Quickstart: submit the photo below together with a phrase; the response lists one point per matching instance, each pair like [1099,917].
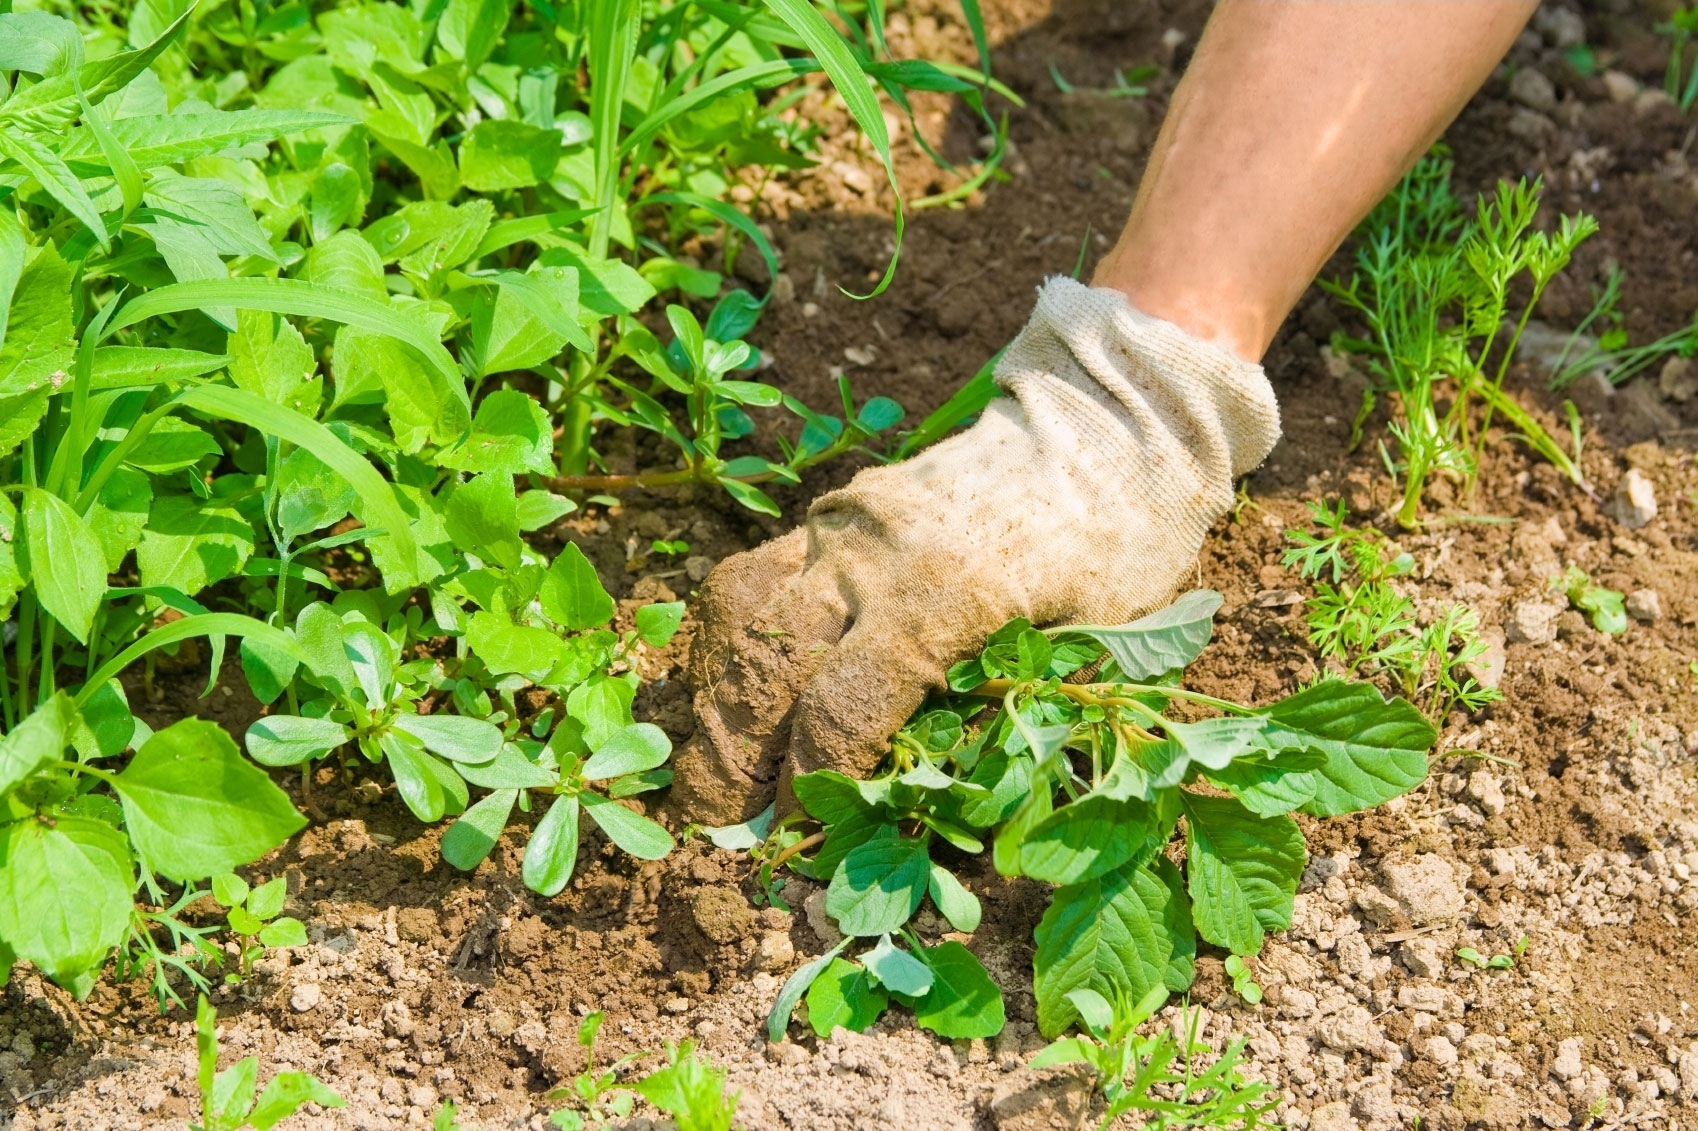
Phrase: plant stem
[1087,694]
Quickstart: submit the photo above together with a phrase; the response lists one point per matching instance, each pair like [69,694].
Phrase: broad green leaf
[266,901]
[1243,871]
[289,740]
[214,208]
[963,1002]
[959,906]
[510,433]
[794,987]
[1011,836]
[828,796]
[346,262]
[284,932]
[270,359]
[552,852]
[1166,639]
[310,496]
[1124,932]
[39,43]
[572,595]
[119,514]
[229,889]
[538,509]
[35,742]
[232,1093]
[483,519]
[658,623]
[39,331]
[53,102]
[1092,836]
[415,780]
[509,769]
[749,496]
[507,647]
[470,838]
[638,836]
[506,331]
[455,737]
[499,155]
[468,30]
[64,561]
[843,996]
[173,445]
[284,1094]
[195,808]
[750,833]
[1374,750]
[318,628]
[897,970]
[64,894]
[605,286]
[1267,789]
[14,249]
[878,886]
[628,750]
[105,726]
[1007,778]
[191,543]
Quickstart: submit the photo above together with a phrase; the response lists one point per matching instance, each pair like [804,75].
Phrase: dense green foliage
[1083,785]
[1435,289]
[313,316]
[1359,621]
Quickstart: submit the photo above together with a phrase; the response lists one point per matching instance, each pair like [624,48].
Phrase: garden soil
[1560,826]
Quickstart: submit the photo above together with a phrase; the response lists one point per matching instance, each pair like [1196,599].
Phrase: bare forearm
[1294,118]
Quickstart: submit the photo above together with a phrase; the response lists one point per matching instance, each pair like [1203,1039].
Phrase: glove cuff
[1217,408]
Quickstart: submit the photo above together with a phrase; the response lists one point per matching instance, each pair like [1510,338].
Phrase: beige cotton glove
[1083,496]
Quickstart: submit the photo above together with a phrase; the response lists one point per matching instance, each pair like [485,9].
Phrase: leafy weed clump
[1083,784]
[311,316]
[1435,288]
[1360,622]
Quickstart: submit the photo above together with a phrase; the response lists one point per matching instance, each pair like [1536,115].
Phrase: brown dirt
[1583,837]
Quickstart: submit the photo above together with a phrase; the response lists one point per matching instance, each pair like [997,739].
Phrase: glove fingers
[857,699]
[747,684]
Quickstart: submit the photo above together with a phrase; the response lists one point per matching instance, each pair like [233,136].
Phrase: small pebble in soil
[1635,501]
[1645,605]
[306,997]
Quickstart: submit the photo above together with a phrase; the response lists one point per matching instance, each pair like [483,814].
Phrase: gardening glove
[1083,496]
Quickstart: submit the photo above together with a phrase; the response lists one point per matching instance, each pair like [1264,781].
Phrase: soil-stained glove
[1083,496]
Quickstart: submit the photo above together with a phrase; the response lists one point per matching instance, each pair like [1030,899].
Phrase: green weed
[1681,28]
[1159,1075]
[1611,353]
[1435,289]
[1081,785]
[309,315]
[1360,622]
[227,1098]
[1606,607]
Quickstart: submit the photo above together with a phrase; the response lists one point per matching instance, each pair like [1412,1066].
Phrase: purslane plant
[1083,785]
[1435,290]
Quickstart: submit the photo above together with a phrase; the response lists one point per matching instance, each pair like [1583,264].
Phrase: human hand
[1082,497]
